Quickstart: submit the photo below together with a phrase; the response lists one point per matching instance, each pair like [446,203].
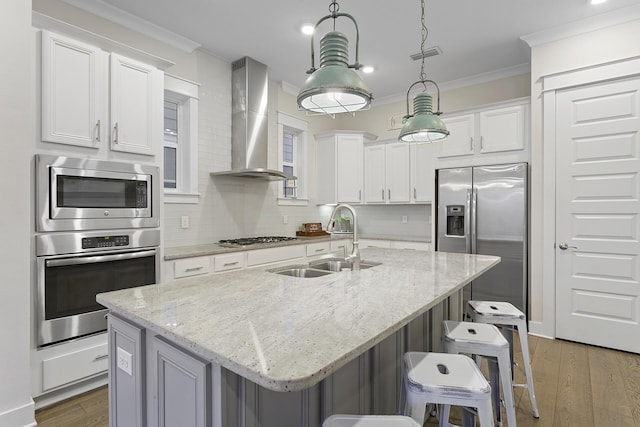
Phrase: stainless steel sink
[340,264]
[299,271]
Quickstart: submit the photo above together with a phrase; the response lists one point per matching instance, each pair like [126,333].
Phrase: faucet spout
[354,257]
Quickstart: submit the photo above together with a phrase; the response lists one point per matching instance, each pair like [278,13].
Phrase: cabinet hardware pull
[228,264]
[415,196]
[383,194]
[194,268]
[115,133]
[360,195]
[98,131]
[564,246]
[320,250]
[471,143]
[482,142]
[389,194]
[100,357]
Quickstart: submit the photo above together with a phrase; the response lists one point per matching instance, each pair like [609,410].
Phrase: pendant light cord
[424,34]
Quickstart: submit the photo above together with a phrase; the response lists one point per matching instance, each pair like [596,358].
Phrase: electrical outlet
[125,361]
[184,221]
[285,219]
[404,219]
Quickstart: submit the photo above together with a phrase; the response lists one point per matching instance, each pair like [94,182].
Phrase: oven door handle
[99,258]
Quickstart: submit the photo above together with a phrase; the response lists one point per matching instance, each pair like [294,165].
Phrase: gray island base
[255,348]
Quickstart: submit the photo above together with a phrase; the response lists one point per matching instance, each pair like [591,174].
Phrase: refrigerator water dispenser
[455,220]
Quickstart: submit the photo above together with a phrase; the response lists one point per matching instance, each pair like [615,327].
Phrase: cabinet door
[74,91]
[423,172]
[460,139]
[349,165]
[374,174]
[397,173]
[136,106]
[179,391]
[502,129]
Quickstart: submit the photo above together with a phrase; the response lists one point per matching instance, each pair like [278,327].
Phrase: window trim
[185,93]
[301,166]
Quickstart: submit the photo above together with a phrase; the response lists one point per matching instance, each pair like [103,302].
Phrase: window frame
[300,130]
[185,94]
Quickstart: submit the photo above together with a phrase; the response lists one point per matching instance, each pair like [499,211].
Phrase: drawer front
[74,366]
[265,256]
[229,262]
[318,248]
[191,267]
[374,243]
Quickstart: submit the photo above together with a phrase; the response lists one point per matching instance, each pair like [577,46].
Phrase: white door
[374,174]
[349,164]
[423,171]
[597,214]
[397,173]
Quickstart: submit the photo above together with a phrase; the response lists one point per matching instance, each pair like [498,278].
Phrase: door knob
[564,246]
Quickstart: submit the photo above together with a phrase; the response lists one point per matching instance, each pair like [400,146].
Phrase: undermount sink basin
[340,264]
[299,271]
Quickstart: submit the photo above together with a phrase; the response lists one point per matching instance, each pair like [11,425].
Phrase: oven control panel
[104,242]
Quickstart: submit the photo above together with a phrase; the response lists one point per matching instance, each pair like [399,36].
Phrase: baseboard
[538,329]
[22,416]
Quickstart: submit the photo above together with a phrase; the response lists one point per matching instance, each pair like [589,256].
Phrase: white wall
[596,47]
[17,114]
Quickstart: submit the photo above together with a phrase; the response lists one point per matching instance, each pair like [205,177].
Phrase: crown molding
[289,88]
[593,23]
[134,23]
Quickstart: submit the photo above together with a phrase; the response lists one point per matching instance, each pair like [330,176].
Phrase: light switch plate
[125,361]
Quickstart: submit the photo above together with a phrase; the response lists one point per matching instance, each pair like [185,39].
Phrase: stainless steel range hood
[249,132]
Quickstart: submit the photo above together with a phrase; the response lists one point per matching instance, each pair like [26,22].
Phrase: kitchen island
[257,348]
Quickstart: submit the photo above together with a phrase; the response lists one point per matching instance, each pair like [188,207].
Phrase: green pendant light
[334,87]
[423,125]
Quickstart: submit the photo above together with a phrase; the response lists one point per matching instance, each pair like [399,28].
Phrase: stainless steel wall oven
[86,194]
[72,268]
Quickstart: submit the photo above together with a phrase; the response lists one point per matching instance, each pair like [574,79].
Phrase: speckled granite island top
[287,333]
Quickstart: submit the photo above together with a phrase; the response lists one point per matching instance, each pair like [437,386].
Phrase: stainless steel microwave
[87,194]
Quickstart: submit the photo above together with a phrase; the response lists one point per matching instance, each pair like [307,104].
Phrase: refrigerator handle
[474,220]
[467,223]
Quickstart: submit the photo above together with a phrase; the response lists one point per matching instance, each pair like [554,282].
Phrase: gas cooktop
[246,241]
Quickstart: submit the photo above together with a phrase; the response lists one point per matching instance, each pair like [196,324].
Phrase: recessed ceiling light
[367,69]
[597,1]
[308,29]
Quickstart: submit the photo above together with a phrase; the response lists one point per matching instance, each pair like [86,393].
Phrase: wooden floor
[576,386]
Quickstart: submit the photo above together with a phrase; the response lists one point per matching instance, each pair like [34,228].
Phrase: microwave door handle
[96,259]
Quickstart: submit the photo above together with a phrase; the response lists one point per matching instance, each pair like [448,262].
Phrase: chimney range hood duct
[249,127]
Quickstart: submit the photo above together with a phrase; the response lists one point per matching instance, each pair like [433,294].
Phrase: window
[180,141]
[292,137]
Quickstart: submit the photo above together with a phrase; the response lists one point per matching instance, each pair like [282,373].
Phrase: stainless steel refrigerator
[483,210]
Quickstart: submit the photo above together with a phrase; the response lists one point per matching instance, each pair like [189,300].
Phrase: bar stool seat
[369,421]
[484,340]
[508,317]
[445,379]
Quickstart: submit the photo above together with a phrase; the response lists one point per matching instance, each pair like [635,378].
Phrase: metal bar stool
[444,379]
[369,421]
[484,340]
[508,317]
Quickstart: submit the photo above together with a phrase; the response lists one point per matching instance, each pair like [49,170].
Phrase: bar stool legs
[484,340]
[506,315]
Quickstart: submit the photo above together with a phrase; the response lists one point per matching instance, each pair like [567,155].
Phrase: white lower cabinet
[270,255]
[191,267]
[228,262]
[319,248]
[374,243]
[342,245]
[419,246]
[73,366]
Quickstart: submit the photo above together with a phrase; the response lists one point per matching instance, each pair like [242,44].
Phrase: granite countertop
[287,333]
[190,251]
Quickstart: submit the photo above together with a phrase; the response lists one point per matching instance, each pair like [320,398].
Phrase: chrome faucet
[354,258]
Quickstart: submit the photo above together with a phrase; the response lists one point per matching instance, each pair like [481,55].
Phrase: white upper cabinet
[422,172]
[502,129]
[486,131]
[74,92]
[339,166]
[90,96]
[461,136]
[136,100]
[386,173]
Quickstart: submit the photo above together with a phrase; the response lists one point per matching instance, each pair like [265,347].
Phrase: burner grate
[246,241]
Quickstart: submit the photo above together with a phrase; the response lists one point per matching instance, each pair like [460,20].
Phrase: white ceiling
[476,37]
